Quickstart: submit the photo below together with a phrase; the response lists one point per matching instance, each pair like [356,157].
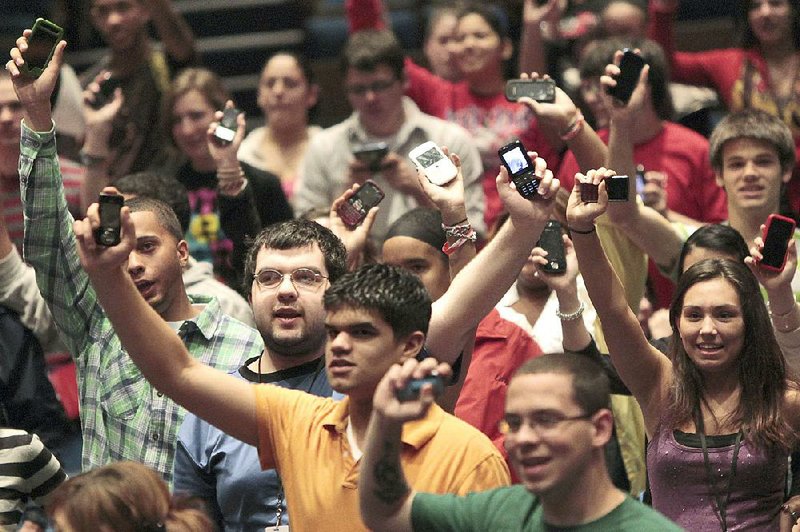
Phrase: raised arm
[535,18]
[221,399]
[650,231]
[481,284]
[643,369]
[385,497]
[172,30]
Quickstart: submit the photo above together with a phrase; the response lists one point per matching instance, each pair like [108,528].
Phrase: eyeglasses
[301,278]
[376,87]
[540,422]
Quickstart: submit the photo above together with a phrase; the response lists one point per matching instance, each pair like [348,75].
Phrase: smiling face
[156,264]
[711,325]
[771,22]
[549,461]
[361,347]
[421,259]
[122,23]
[290,319]
[192,113]
[751,174]
[479,50]
[284,94]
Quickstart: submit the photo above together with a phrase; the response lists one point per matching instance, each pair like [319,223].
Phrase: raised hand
[97,259]
[34,93]
[771,280]
[582,214]
[385,401]
[560,281]
[525,211]
[619,111]
[354,238]
[556,116]
[448,198]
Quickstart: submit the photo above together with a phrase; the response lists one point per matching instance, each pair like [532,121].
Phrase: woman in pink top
[764,73]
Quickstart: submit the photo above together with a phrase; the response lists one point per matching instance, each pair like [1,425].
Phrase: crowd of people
[245,358]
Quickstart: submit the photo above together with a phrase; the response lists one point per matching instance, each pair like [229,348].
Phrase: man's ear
[183,253]
[603,421]
[412,345]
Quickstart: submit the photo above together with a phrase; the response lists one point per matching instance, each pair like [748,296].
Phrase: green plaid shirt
[122,415]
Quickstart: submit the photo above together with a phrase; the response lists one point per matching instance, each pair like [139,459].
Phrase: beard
[294,344]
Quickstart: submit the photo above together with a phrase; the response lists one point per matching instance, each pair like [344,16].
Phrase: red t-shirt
[682,155]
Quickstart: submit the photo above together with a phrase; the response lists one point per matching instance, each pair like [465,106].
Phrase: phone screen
[776,242]
[40,44]
[367,197]
[516,161]
[429,158]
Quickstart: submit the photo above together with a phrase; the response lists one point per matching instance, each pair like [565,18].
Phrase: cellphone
[630,67]
[778,232]
[551,241]
[371,154]
[355,209]
[226,130]
[540,90]
[617,188]
[438,167]
[106,92]
[42,43]
[515,158]
[640,183]
[413,387]
[589,192]
[108,232]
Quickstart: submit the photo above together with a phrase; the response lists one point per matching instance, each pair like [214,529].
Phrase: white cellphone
[431,160]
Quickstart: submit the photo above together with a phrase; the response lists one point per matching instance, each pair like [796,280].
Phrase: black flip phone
[226,130]
[520,167]
[45,35]
[540,90]
[355,209]
[108,234]
[371,154]
[413,387]
[630,67]
[551,241]
[778,231]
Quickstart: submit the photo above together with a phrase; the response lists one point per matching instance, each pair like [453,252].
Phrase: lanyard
[722,504]
[317,371]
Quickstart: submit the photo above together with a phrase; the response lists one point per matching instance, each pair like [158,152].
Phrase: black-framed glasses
[375,86]
[540,422]
[301,278]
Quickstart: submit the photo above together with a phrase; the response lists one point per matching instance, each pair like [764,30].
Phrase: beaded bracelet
[462,234]
[572,316]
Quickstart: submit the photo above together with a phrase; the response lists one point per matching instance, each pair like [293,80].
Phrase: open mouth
[145,288]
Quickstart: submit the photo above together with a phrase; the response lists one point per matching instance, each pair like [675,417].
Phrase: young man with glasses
[373,67]
[557,420]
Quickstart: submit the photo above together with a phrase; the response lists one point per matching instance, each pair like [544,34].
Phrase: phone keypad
[526,186]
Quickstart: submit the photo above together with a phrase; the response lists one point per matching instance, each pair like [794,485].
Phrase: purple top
[681,490]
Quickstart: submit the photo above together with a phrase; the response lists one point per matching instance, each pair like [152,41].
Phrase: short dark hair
[590,386]
[601,53]
[367,50]
[721,238]
[293,234]
[163,212]
[494,15]
[396,294]
[161,187]
[756,125]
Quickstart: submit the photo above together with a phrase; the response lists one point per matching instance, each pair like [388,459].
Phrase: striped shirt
[123,417]
[27,472]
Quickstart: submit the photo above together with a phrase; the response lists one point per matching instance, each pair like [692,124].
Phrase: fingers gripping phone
[372,154]
[226,130]
[412,389]
[355,209]
[616,188]
[552,242]
[778,232]
[520,168]
[438,167]
[540,90]
[108,234]
[42,42]
[106,92]
[630,67]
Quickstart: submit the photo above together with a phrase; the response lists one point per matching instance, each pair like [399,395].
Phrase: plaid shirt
[122,415]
